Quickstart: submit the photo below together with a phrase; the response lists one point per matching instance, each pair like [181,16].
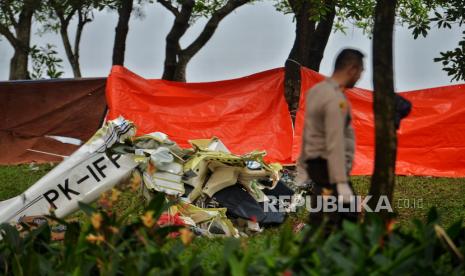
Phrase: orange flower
[186,236]
[135,181]
[113,229]
[390,226]
[96,220]
[147,219]
[105,202]
[114,194]
[97,239]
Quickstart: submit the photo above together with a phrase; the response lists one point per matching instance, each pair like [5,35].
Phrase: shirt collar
[334,83]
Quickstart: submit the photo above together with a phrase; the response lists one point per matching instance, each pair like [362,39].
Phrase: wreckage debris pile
[213,191]
[217,192]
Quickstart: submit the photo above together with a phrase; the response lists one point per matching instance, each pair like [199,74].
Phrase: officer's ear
[353,70]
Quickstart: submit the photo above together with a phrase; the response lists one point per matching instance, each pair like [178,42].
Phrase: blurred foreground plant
[106,244]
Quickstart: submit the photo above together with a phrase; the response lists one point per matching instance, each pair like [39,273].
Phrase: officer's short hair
[348,57]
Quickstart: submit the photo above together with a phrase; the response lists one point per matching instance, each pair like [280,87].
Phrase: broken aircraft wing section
[82,177]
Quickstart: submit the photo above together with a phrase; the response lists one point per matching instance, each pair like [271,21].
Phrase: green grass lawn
[414,196]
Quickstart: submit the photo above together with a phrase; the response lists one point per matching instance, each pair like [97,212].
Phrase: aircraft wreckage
[213,187]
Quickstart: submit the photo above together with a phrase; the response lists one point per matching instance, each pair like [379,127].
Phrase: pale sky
[253,39]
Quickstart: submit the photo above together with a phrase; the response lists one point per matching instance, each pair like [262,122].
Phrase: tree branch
[64,23]
[211,26]
[181,22]
[304,29]
[83,20]
[9,36]
[66,42]
[70,15]
[168,6]
[179,28]
[121,32]
[61,14]
[321,35]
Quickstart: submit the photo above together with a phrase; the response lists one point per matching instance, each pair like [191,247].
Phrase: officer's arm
[350,147]
[335,148]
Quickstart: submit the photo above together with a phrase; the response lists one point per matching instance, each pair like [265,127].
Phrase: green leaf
[11,236]
[455,229]
[432,216]
[158,205]
[86,208]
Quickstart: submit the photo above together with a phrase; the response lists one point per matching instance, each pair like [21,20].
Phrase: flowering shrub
[156,243]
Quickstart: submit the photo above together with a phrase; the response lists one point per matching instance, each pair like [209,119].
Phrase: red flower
[287,273]
[167,219]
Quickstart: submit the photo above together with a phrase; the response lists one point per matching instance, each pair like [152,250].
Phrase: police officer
[328,139]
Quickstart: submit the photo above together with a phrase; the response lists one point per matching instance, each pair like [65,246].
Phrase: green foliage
[448,14]
[10,10]
[454,61]
[103,244]
[114,5]
[419,15]
[45,60]
[359,13]
[202,8]
[58,13]
[205,8]
[415,14]
[355,13]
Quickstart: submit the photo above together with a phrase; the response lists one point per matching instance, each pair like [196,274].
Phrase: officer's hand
[344,191]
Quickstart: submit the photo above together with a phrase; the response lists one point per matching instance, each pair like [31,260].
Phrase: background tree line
[314,21]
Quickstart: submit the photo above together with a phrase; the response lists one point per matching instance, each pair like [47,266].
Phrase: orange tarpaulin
[431,138]
[250,113]
[247,114]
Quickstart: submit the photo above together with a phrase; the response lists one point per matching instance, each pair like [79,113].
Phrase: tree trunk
[76,66]
[308,49]
[179,28]
[72,52]
[176,59]
[171,59]
[383,179]
[82,21]
[121,32]
[304,29]
[19,61]
[320,37]
[292,86]
[180,69]
[18,65]
[73,61]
